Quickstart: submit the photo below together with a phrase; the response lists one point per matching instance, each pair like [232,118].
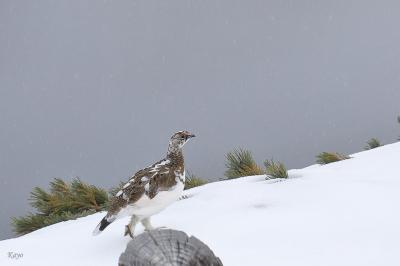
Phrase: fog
[95,88]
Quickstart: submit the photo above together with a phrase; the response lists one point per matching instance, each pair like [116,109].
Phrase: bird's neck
[175,154]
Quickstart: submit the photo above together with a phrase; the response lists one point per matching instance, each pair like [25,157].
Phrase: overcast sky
[95,88]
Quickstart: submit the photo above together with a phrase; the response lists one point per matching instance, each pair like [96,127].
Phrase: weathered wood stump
[167,247]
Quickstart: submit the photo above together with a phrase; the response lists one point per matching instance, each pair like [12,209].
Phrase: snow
[345,213]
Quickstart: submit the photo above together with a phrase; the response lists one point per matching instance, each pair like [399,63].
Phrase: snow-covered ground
[345,213]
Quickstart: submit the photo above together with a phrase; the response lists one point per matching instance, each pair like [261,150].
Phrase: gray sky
[95,88]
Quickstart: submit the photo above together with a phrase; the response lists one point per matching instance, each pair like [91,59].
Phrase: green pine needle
[63,201]
[275,169]
[330,157]
[192,181]
[372,144]
[240,162]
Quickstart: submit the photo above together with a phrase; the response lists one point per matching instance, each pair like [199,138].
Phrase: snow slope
[345,213]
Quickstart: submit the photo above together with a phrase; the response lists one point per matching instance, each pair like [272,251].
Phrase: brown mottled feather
[159,177]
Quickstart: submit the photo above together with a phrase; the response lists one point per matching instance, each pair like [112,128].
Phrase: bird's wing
[146,181]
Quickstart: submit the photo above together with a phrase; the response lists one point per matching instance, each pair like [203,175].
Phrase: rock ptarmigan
[150,190]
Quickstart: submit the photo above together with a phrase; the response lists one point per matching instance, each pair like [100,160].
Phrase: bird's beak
[191,136]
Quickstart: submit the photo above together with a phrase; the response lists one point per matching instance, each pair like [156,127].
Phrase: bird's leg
[147,224]
[130,228]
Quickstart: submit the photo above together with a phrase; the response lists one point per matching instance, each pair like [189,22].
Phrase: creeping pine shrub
[64,201]
[372,144]
[240,162]
[192,181]
[275,169]
[330,157]
[31,222]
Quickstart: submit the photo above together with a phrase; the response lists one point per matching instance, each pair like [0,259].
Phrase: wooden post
[167,248]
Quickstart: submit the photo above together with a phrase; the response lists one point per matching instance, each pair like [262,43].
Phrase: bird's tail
[106,221]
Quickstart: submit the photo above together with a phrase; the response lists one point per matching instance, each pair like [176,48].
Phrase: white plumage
[151,189]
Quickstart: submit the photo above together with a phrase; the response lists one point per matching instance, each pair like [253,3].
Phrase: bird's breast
[147,206]
[180,176]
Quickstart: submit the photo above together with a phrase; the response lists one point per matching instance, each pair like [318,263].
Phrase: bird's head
[179,139]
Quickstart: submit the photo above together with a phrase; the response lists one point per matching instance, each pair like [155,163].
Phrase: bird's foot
[128,231]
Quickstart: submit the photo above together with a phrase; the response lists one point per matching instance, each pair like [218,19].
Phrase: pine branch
[240,162]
